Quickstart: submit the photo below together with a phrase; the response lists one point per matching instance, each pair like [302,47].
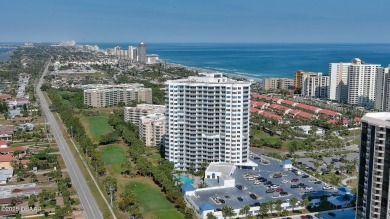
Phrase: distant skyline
[178,21]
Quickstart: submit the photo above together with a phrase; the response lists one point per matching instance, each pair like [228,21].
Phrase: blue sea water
[264,60]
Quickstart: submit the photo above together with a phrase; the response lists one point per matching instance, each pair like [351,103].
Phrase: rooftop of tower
[212,78]
[380,118]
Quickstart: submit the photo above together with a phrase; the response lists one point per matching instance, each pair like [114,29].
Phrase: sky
[202,21]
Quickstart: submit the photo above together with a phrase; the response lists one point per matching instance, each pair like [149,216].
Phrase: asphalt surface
[87,200]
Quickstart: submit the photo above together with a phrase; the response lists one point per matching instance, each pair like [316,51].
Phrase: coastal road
[88,202]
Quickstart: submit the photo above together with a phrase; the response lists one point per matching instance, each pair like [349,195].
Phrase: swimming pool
[185,179]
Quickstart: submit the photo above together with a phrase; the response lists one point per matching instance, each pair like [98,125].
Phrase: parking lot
[239,197]
[335,214]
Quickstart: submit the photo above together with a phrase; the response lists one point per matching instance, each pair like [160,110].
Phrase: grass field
[113,156]
[97,126]
[153,200]
[257,134]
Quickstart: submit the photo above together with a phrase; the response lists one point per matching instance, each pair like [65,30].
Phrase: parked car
[308,188]
[262,180]
[304,217]
[274,186]
[253,196]
[294,186]
[240,187]
[240,199]
[279,189]
[221,200]
[257,182]
[318,216]
[332,214]
[318,182]
[283,194]
[270,191]
[284,181]
[295,180]
[305,176]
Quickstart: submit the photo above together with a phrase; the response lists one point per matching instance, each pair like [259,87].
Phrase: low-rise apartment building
[133,114]
[100,95]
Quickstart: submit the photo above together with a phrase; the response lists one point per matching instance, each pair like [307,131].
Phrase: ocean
[260,60]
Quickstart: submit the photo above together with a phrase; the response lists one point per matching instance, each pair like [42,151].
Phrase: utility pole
[71,131]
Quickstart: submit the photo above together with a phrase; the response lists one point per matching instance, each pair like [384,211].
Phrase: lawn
[153,200]
[257,134]
[97,126]
[113,156]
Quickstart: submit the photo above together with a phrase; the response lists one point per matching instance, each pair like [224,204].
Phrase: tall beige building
[278,83]
[133,114]
[299,76]
[152,129]
[100,95]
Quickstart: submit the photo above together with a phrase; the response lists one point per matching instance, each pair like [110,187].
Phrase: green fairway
[153,200]
[97,126]
[113,156]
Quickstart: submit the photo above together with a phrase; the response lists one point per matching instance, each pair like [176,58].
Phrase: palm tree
[305,202]
[346,198]
[227,211]
[293,202]
[263,209]
[278,205]
[210,215]
[245,210]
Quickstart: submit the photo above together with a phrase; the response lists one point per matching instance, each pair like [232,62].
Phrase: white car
[327,187]
[251,178]
[285,181]
[309,188]
[274,186]
[257,182]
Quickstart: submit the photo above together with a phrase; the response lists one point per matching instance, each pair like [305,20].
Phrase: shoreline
[200,70]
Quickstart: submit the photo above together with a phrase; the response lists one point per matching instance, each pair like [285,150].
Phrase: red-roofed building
[304,115]
[357,120]
[329,112]
[279,108]
[254,110]
[5,97]
[293,112]
[3,144]
[308,107]
[23,119]
[259,104]
[271,115]
[11,150]
[344,122]
[6,132]
[275,99]
[288,102]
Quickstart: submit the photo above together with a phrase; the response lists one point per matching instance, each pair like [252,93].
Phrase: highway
[91,209]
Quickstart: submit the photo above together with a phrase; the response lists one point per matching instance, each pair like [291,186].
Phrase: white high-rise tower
[207,120]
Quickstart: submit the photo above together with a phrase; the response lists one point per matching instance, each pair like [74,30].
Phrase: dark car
[309,217]
[287,218]
[332,214]
[305,176]
[301,185]
[268,183]
[240,199]
[283,194]
[295,180]
[255,204]
[239,187]
[256,158]
[270,191]
[318,182]
[253,196]
[318,216]
[226,196]
[277,176]
[263,180]
[222,201]
[279,189]
[294,186]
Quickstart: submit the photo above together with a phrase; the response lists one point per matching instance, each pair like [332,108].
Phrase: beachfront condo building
[374,167]
[382,93]
[102,95]
[142,53]
[207,121]
[315,86]
[278,84]
[152,129]
[353,83]
[298,79]
[132,114]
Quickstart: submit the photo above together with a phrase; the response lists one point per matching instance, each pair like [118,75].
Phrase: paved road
[88,202]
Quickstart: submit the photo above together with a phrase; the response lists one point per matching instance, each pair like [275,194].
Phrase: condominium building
[132,114]
[207,120]
[361,83]
[338,88]
[142,53]
[353,83]
[278,84]
[374,167]
[382,93]
[152,129]
[101,95]
[299,76]
[315,86]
